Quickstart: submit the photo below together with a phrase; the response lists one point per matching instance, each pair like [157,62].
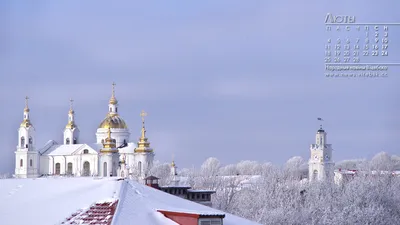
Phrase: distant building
[321,165]
[184,191]
[343,176]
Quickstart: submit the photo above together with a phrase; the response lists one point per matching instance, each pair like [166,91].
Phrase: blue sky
[238,80]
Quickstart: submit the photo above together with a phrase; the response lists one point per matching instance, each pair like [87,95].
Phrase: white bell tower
[321,165]
[26,156]
[143,154]
[71,131]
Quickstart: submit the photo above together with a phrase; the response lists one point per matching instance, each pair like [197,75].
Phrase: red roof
[98,213]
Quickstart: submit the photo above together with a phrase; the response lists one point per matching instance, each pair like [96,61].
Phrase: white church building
[112,155]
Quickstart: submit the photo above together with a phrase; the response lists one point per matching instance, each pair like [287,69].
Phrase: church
[112,155]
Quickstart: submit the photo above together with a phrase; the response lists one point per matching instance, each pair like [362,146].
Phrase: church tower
[173,169]
[109,157]
[144,155]
[123,170]
[71,131]
[321,165]
[26,156]
[114,121]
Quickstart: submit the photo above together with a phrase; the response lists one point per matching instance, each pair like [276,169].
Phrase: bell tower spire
[321,165]
[26,156]
[26,122]
[71,131]
[109,157]
[144,154]
[113,103]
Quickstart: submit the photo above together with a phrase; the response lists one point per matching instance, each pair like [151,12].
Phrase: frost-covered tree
[248,167]
[382,161]
[229,170]
[277,198]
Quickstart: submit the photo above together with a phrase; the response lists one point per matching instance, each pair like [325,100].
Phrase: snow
[51,200]
[66,149]
[140,203]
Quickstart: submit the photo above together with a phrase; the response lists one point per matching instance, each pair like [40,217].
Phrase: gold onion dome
[70,125]
[113,121]
[26,122]
[71,112]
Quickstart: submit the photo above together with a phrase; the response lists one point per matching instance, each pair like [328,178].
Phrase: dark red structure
[98,213]
[152,181]
[193,218]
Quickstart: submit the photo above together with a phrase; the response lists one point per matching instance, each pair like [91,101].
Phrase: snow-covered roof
[68,149]
[96,146]
[50,201]
[47,146]
[128,149]
[140,203]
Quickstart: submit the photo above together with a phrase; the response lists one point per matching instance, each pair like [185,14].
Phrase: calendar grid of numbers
[355,49]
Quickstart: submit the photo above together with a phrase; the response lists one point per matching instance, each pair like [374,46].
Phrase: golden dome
[26,123]
[70,125]
[113,101]
[113,121]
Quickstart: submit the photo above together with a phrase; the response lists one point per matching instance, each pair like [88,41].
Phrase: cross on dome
[26,104]
[143,114]
[113,100]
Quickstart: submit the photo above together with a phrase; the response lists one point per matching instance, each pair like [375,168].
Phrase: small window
[21,163]
[67,141]
[22,142]
[75,141]
[102,141]
[30,162]
[211,221]
[197,196]
[110,109]
[203,196]
[116,109]
[30,140]
[85,151]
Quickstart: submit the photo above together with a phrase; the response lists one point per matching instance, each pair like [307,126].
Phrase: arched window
[85,151]
[67,141]
[69,168]
[116,109]
[30,163]
[124,142]
[22,142]
[21,163]
[110,109]
[86,168]
[104,169]
[140,168]
[75,141]
[30,140]
[58,168]
[315,174]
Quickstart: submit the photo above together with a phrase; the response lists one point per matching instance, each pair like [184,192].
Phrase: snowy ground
[50,200]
